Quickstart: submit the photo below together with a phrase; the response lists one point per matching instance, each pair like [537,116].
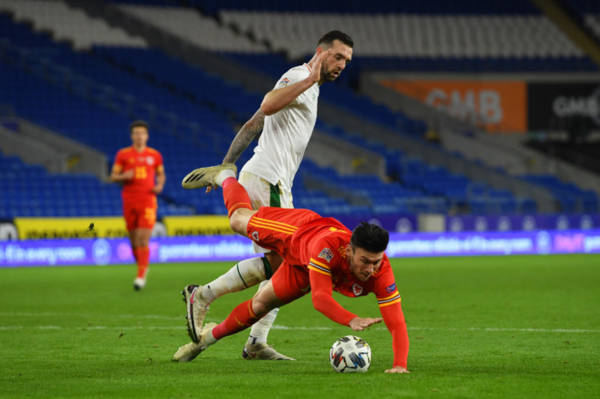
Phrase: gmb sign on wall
[564,105]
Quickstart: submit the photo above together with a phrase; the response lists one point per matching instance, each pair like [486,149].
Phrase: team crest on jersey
[357,289]
[391,288]
[326,254]
[284,82]
[255,235]
[150,160]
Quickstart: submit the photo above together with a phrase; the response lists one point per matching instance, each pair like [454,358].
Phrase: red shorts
[290,282]
[140,213]
[273,228]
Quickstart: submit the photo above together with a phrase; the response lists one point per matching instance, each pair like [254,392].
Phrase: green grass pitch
[480,327]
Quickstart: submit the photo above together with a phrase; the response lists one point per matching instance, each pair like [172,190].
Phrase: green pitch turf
[481,327]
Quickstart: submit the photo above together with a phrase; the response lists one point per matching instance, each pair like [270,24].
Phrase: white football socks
[260,329]
[222,175]
[245,274]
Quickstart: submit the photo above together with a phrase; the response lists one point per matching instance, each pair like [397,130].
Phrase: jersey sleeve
[322,260]
[159,165]
[292,76]
[389,301]
[119,164]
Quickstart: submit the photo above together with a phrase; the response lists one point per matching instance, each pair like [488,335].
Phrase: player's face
[364,264]
[335,63]
[139,136]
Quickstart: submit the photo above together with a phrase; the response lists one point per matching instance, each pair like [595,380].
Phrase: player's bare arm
[161,178]
[118,176]
[249,131]
[277,99]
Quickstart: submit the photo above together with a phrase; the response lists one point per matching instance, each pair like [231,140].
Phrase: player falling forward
[137,167]
[319,255]
[286,119]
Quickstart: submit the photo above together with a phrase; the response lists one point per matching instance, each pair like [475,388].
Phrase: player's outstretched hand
[316,62]
[397,370]
[360,323]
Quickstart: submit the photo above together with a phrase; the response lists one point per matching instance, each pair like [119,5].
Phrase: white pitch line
[305,328]
[276,327]
[59,314]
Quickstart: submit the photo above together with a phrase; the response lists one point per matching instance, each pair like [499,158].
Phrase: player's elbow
[267,108]
[268,105]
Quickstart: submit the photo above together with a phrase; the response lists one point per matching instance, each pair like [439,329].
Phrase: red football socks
[142,256]
[235,195]
[239,319]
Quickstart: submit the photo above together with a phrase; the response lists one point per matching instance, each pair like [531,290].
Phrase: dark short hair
[330,36]
[138,123]
[370,237]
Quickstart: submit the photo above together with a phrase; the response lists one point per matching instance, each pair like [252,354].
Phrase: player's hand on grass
[397,370]
[360,323]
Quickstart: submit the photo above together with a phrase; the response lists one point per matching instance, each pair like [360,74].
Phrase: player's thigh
[148,210]
[130,214]
[257,188]
[290,282]
[140,216]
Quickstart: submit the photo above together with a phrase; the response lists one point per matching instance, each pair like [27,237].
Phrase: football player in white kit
[286,118]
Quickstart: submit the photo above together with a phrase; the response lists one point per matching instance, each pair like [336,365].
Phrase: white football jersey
[286,134]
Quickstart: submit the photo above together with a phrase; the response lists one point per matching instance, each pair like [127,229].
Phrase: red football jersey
[145,164]
[321,246]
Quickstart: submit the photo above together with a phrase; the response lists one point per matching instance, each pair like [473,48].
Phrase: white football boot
[191,350]
[262,352]
[139,283]
[203,177]
[196,309]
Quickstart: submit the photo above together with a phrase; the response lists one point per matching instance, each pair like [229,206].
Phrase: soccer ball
[350,354]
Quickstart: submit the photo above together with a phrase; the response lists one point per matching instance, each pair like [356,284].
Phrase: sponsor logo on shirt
[391,288]
[284,82]
[357,289]
[326,254]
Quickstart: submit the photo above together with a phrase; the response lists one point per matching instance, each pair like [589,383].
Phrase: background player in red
[140,169]
[319,255]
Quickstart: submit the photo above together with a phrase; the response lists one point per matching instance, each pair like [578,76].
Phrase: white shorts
[263,193]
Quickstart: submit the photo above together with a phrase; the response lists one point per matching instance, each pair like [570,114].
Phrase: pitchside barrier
[101,241]
[108,251]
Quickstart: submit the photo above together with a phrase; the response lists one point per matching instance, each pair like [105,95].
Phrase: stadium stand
[67,23]
[587,12]
[188,24]
[190,121]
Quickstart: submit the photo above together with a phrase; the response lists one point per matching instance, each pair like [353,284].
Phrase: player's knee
[259,308]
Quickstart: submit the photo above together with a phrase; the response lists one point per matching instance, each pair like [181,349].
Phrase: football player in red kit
[320,255]
[140,169]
